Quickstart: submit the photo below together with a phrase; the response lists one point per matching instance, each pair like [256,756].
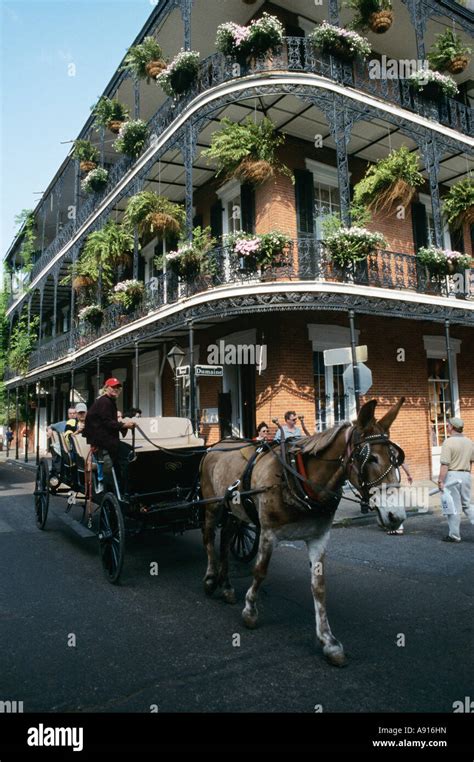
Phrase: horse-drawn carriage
[162,490]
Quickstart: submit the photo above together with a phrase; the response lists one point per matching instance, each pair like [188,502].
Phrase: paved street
[159,640]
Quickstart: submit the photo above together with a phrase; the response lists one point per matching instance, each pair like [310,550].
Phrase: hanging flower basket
[87,166]
[180,75]
[128,294]
[380,21]
[132,138]
[95,181]
[164,223]
[389,181]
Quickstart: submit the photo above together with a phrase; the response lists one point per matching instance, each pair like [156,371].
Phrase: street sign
[208,370]
[182,371]
[343,356]
[365,379]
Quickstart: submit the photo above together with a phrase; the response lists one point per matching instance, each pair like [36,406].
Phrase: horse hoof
[229,596]
[209,586]
[250,620]
[335,656]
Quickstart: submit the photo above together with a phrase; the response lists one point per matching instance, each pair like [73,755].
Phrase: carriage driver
[102,428]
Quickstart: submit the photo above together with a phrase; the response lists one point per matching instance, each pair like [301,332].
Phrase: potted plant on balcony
[192,260]
[95,181]
[145,60]
[87,154]
[442,262]
[343,43]
[247,150]
[449,53]
[459,203]
[93,314]
[376,15]
[352,244]
[265,35]
[154,215]
[433,84]
[129,294]
[132,138]
[180,75]
[110,113]
[391,180]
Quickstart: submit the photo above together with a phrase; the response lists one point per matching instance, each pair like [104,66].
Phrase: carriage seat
[171,433]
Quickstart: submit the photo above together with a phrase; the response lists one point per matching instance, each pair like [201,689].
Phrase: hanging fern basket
[162,223]
[81,281]
[380,21]
[114,126]
[254,171]
[458,64]
[399,191]
[87,166]
[153,68]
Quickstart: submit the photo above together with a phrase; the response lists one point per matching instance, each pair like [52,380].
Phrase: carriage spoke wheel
[111,537]
[244,543]
[41,494]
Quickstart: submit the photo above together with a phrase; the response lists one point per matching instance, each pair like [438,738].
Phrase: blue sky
[41,104]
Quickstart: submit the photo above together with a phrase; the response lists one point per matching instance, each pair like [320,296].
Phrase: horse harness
[304,492]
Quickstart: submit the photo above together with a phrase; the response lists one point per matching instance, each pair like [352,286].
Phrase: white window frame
[426,201]
[325,337]
[227,193]
[323,174]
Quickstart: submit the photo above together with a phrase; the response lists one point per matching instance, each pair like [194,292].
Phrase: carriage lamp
[175,358]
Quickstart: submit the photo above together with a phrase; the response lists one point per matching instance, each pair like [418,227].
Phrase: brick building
[337,121]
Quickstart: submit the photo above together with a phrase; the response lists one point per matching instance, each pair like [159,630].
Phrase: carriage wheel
[41,494]
[244,543]
[111,537]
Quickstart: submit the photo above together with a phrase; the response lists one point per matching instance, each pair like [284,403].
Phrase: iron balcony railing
[304,260]
[296,54]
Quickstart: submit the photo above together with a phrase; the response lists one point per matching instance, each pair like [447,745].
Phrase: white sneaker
[99,488]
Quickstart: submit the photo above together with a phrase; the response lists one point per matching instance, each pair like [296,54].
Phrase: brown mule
[361,452]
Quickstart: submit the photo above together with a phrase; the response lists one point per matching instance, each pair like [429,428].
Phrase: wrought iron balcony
[305,260]
[296,54]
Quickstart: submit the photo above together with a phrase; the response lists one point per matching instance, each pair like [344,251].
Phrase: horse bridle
[361,454]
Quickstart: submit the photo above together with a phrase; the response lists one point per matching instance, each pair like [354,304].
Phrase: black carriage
[159,489]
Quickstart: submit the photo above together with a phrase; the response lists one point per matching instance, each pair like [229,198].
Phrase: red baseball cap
[113,382]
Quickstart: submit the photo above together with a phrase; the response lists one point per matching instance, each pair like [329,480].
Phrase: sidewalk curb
[349,521]
[21,464]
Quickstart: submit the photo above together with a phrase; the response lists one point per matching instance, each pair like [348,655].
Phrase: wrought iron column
[135,252]
[43,226]
[185,7]
[71,392]
[431,156]
[53,401]
[77,187]
[59,191]
[136,94]
[73,301]
[192,381]
[98,374]
[38,386]
[334,12]
[342,135]
[188,147]
[40,328]
[17,433]
[55,303]
[136,380]
[450,368]
[28,312]
[26,423]
[417,12]
[355,367]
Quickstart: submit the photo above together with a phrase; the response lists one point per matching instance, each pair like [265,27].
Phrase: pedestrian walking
[457,455]
[9,438]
